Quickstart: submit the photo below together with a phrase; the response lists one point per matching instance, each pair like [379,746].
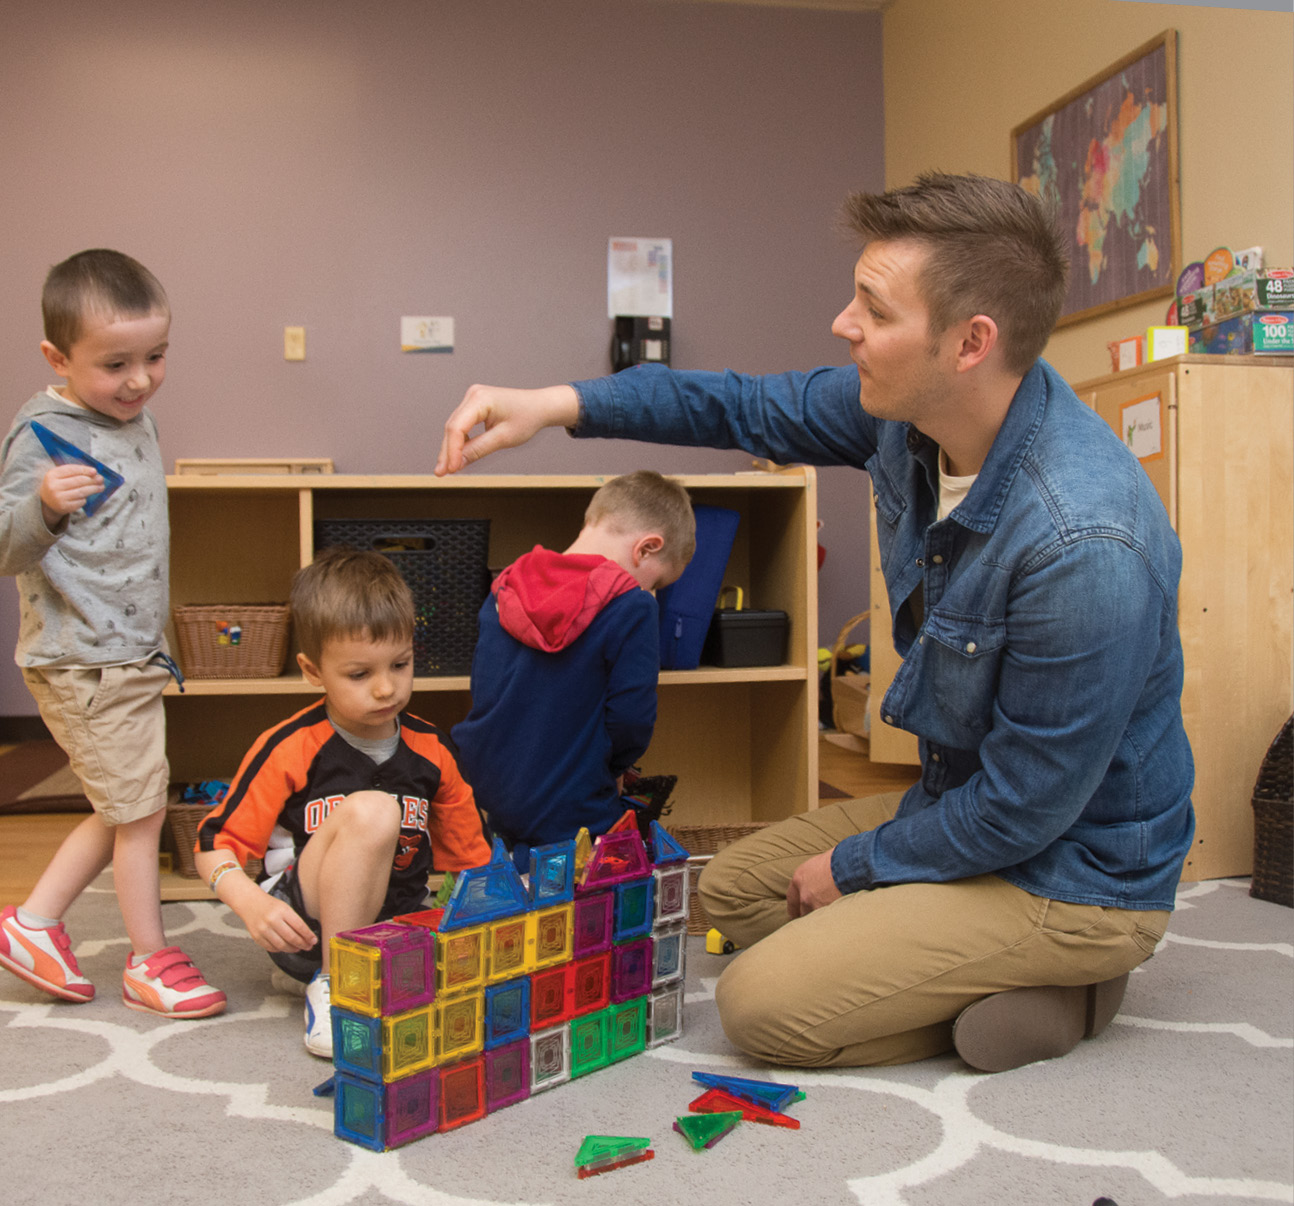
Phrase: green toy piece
[705,1130]
[602,1153]
[446,887]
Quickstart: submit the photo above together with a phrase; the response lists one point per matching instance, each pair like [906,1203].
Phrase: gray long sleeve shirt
[94,591]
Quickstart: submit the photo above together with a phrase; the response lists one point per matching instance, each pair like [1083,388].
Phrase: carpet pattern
[1186,1098]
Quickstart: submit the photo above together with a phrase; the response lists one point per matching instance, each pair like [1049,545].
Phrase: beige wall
[958,77]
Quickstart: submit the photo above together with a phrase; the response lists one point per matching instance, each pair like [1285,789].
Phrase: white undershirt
[952,490]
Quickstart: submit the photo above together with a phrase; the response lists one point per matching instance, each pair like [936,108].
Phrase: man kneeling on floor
[998,905]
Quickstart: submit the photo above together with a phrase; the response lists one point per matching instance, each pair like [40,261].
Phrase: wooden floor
[28,842]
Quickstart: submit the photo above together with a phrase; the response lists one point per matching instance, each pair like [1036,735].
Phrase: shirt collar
[980,509]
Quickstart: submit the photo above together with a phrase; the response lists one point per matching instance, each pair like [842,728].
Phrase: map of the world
[1102,160]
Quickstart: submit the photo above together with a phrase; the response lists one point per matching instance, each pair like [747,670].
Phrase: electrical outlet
[294,343]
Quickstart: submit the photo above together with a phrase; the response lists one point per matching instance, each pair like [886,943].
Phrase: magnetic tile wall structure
[443,1016]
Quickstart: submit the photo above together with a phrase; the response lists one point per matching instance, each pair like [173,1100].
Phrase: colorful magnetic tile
[716,1101]
[429,919]
[460,961]
[550,1058]
[552,873]
[631,966]
[627,822]
[771,1094]
[60,451]
[459,1027]
[507,1011]
[486,893]
[594,921]
[507,949]
[507,1075]
[356,1044]
[665,847]
[462,1093]
[583,856]
[671,894]
[626,1029]
[668,952]
[548,997]
[617,857]
[383,968]
[357,1112]
[633,912]
[407,1043]
[590,984]
[412,1107]
[665,1015]
[550,935]
[705,1130]
[602,1153]
[589,1047]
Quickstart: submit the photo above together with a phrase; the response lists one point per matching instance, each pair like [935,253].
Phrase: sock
[34,921]
[134,960]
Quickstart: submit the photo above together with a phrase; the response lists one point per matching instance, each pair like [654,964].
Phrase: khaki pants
[878,977]
[111,723]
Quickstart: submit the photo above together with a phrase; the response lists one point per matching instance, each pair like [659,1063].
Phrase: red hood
[547,599]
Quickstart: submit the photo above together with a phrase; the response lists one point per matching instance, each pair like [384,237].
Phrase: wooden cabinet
[1220,452]
[1223,469]
[743,742]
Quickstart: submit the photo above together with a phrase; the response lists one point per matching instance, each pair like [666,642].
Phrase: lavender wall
[338,165]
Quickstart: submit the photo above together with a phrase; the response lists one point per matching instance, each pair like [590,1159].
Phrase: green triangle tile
[705,1130]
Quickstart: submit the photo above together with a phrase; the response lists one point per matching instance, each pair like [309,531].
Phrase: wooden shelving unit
[744,742]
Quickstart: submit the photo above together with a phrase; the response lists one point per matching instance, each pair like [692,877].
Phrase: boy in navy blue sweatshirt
[566,664]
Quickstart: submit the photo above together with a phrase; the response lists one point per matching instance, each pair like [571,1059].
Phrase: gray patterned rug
[1186,1098]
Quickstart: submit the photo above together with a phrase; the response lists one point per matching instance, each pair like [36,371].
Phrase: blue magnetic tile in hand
[61,452]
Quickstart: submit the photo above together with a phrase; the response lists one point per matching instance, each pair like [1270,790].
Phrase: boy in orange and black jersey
[352,802]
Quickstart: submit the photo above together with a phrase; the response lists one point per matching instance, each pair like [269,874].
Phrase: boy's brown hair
[646,501]
[97,282]
[347,592]
[993,248]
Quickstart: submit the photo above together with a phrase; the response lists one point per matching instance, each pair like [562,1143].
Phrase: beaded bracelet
[220,870]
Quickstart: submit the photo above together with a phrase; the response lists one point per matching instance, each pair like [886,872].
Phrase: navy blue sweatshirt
[563,696]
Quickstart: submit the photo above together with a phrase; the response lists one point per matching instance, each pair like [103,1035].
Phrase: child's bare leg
[135,872]
[346,865]
[84,853]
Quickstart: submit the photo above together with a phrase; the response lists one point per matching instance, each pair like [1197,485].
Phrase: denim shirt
[1042,673]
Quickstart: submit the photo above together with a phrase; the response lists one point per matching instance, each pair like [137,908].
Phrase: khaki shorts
[112,726]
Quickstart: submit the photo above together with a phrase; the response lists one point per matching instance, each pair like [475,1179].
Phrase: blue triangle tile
[486,893]
[665,847]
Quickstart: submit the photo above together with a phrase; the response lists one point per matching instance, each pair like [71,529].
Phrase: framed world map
[1104,157]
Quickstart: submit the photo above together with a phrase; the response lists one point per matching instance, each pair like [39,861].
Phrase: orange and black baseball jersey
[300,770]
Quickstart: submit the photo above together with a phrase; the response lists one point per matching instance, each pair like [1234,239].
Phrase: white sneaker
[319,1016]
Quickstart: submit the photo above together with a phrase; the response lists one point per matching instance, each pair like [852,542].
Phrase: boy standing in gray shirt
[90,551]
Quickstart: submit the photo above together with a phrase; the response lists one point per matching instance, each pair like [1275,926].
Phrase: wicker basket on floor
[1273,804]
[702,842]
[232,640]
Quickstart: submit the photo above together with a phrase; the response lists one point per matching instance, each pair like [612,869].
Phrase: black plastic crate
[445,563]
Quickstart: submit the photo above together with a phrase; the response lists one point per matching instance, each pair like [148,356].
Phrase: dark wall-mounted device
[639,340]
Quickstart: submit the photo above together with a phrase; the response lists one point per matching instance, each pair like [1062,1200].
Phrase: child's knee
[372,813]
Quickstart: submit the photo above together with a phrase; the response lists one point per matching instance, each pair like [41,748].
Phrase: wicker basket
[702,842]
[232,640]
[1273,804]
[182,821]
